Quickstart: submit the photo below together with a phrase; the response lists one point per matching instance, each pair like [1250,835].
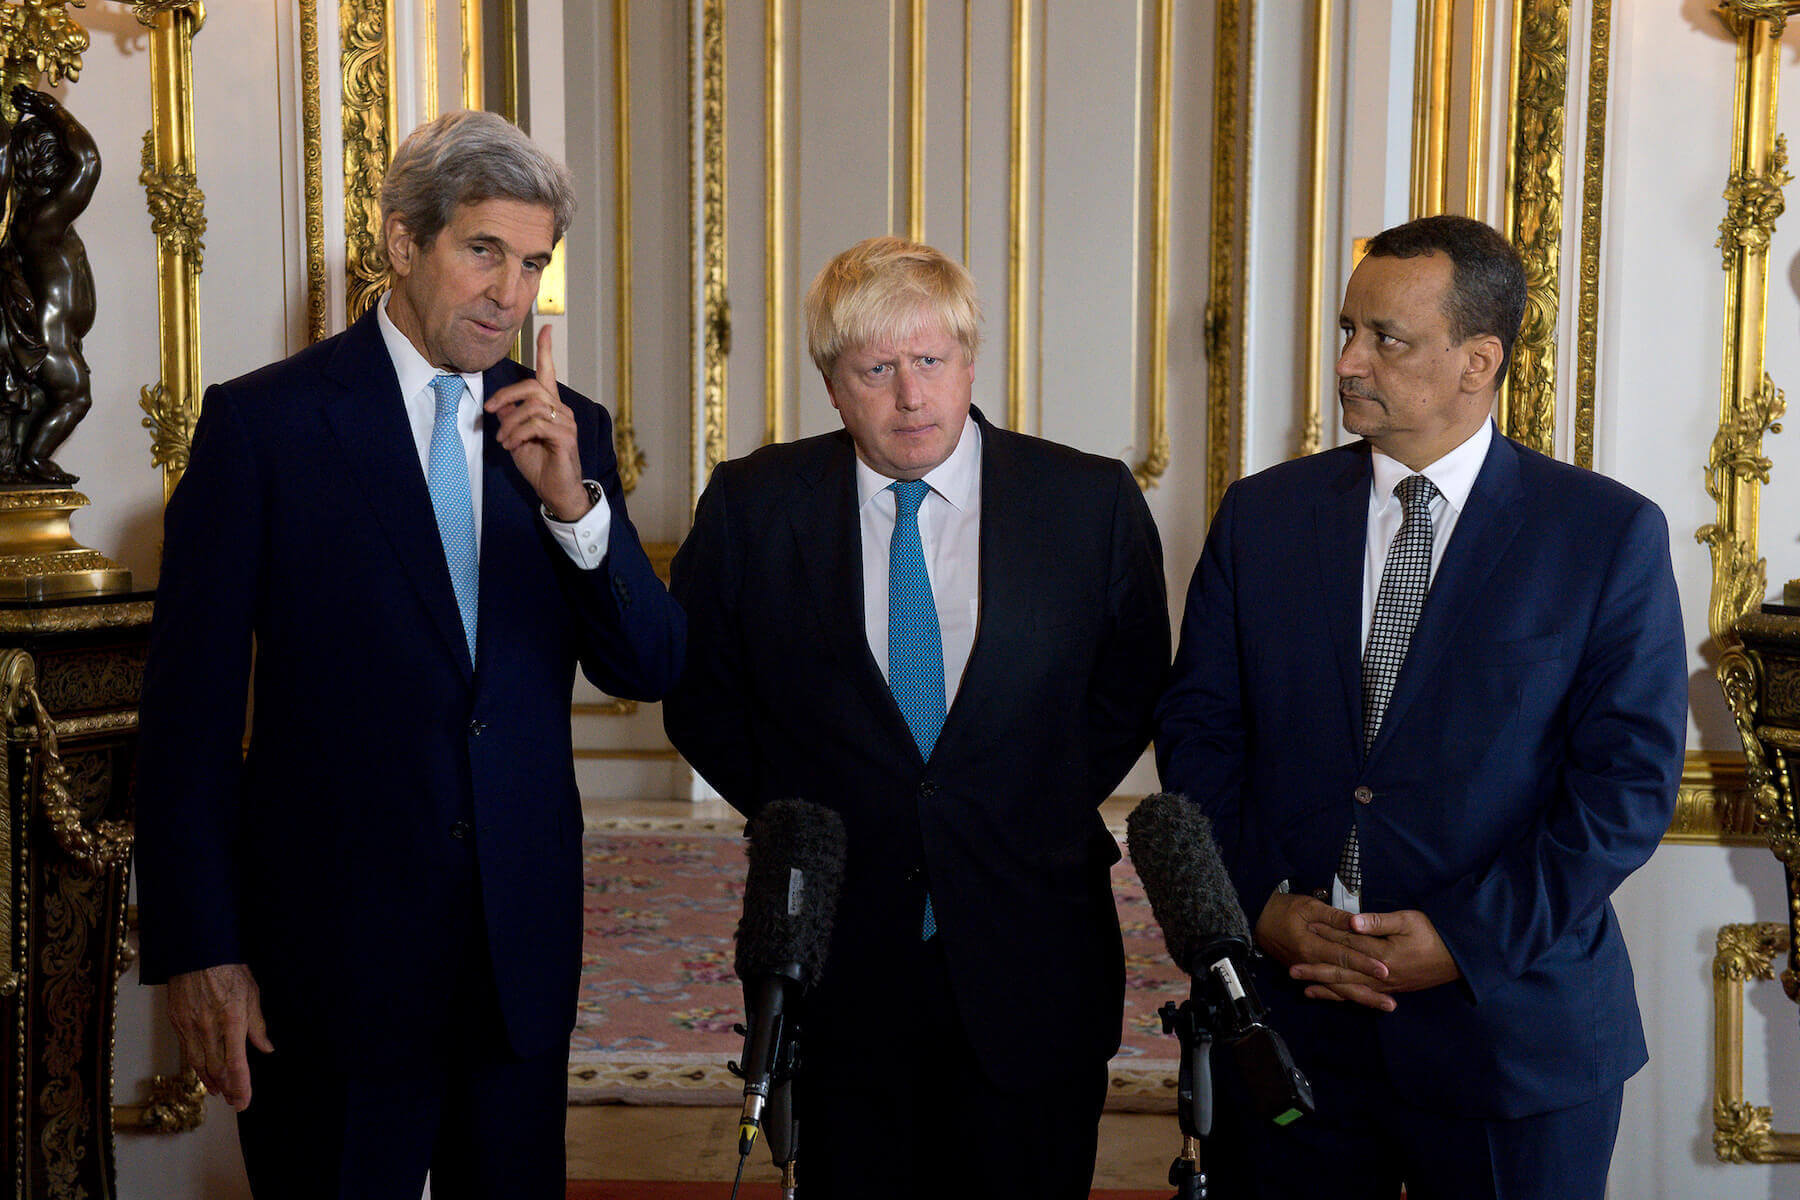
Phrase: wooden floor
[625,1141]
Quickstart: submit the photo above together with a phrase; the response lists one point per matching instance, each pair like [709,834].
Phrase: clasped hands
[1362,958]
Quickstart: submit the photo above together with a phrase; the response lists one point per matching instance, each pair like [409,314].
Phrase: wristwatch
[595,495]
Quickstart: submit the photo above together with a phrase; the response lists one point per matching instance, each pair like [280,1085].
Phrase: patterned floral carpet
[658,996]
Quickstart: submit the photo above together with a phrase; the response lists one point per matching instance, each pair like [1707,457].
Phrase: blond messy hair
[883,288]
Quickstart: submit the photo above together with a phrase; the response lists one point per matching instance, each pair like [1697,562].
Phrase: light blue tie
[448,479]
[915,645]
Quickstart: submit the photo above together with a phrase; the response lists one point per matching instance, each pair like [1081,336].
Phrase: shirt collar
[954,479]
[1453,475]
[414,372]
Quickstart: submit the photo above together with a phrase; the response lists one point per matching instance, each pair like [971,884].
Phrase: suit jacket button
[476,728]
[1364,795]
[621,592]
[461,830]
[928,788]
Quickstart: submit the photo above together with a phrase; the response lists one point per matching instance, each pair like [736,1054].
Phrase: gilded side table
[1761,679]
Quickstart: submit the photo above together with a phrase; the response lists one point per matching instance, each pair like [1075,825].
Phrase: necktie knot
[449,389]
[1416,494]
[909,494]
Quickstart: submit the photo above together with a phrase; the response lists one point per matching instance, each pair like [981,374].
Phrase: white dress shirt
[950,532]
[584,541]
[1453,476]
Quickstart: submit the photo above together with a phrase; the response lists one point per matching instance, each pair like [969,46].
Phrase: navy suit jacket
[390,784]
[781,698]
[1527,763]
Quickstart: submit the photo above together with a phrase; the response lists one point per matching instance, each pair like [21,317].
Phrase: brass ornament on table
[38,39]
[1743,1132]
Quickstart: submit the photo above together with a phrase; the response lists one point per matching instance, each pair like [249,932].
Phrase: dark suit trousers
[932,1123]
[1367,1139]
[484,1122]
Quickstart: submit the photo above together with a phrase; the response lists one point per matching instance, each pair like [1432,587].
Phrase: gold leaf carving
[368,148]
[1748,952]
[1753,202]
[171,427]
[1741,1131]
[1541,87]
[148,10]
[177,208]
[1739,14]
[717,326]
[176,1104]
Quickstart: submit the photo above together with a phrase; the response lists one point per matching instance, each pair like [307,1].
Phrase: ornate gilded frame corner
[1224,319]
[1750,405]
[172,1104]
[1534,201]
[366,30]
[178,219]
[1742,1131]
[1156,456]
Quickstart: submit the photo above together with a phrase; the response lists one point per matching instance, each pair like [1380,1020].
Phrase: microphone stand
[776,1120]
[1194,1092]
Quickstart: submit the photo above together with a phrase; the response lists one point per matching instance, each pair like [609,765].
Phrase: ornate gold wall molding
[1312,416]
[775,348]
[1750,405]
[1593,196]
[312,154]
[1431,107]
[366,30]
[1713,806]
[915,123]
[625,447]
[1534,212]
[716,320]
[178,218]
[1224,320]
[1156,458]
[1018,273]
[1742,1131]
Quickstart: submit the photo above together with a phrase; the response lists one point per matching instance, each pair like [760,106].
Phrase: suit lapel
[1006,542]
[1341,522]
[368,417]
[1483,532]
[827,531]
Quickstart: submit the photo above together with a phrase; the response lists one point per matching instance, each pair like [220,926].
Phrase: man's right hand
[1284,931]
[214,1012]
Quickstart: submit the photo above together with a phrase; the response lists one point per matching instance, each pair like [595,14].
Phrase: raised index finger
[546,366]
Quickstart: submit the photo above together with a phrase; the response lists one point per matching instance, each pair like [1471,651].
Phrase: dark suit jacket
[1527,764]
[781,698]
[335,857]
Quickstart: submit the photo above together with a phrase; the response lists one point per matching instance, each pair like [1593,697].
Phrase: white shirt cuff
[584,541]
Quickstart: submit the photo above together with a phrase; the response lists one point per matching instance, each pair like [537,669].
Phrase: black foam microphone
[1196,904]
[796,857]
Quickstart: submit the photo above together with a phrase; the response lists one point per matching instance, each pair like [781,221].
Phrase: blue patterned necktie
[1404,581]
[915,645]
[448,479]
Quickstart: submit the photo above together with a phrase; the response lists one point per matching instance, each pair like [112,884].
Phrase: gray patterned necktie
[1404,581]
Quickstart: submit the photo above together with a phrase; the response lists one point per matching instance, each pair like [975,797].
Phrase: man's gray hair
[466,157]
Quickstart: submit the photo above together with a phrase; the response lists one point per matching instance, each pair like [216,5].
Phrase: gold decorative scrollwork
[171,427]
[368,66]
[1749,403]
[1593,195]
[99,847]
[1534,213]
[313,154]
[1224,316]
[175,1104]
[1736,461]
[37,38]
[147,10]
[178,218]
[177,207]
[1742,1131]
[716,324]
[1753,203]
